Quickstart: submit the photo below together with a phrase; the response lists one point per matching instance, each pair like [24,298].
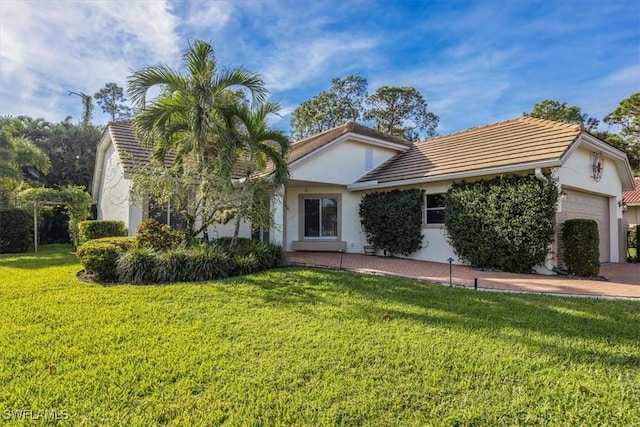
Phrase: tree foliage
[399,111]
[18,156]
[70,148]
[112,101]
[626,117]
[504,223]
[210,130]
[345,101]
[392,221]
[257,146]
[561,112]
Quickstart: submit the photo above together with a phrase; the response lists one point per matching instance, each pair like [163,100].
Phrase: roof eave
[374,184]
[348,136]
[620,157]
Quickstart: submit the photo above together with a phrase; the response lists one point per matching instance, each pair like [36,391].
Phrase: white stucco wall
[632,215]
[575,173]
[342,163]
[113,200]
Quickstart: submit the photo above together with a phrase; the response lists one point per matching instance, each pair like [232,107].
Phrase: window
[320,217]
[368,158]
[435,208]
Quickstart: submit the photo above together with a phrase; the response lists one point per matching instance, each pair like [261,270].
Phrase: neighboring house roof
[516,144]
[632,198]
[307,146]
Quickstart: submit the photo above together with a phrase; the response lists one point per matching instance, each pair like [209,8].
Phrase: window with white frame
[434,208]
[368,158]
[320,217]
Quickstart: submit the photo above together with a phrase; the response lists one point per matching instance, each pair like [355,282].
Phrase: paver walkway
[623,279]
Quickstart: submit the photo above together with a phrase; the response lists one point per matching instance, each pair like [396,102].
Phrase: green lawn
[308,347]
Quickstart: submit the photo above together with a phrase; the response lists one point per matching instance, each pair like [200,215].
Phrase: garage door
[583,205]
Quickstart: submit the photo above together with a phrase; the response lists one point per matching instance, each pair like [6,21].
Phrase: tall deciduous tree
[112,101]
[401,112]
[561,112]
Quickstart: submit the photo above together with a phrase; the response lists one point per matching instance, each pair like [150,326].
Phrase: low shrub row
[125,260]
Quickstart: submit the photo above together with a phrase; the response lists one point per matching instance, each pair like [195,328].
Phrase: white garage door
[583,205]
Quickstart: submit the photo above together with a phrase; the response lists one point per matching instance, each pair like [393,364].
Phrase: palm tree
[184,117]
[259,154]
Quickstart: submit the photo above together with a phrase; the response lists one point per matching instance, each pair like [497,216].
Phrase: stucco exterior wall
[576,172]
[342,164]
[632,215]
[113,200]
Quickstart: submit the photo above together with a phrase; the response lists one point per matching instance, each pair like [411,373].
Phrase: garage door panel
[588,206]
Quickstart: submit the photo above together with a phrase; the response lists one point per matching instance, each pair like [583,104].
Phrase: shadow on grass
[47,256]
[537,321]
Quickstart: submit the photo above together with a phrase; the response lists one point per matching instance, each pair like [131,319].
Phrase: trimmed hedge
[504,223]
[581,246]
[392,220]
[99,256]
[16,226]
[97,229]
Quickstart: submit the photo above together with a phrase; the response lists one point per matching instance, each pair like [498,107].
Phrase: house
[631,205]
[317,210]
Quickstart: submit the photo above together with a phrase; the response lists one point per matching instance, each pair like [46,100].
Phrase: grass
[307,347]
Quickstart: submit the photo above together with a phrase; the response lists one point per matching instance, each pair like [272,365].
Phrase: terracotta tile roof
[130,152]
[512,142]
[307,146]
[632,197]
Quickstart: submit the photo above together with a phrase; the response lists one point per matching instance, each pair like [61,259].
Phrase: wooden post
[35,227]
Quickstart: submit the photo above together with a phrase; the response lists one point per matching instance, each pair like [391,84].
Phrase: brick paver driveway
[623,279]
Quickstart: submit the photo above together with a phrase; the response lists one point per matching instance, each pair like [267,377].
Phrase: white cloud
[296,62]
[48,49]
[213,15]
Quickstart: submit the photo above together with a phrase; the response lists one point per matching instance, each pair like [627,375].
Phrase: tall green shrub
[504,223]
[15,230]
[392,220]
[581,245]
[97,229]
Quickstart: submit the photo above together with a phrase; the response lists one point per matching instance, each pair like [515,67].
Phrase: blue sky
[475,62]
